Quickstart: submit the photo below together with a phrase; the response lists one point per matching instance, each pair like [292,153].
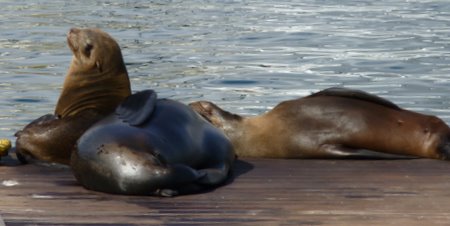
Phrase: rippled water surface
[244,55]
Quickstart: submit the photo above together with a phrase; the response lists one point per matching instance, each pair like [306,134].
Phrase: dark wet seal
[152,146]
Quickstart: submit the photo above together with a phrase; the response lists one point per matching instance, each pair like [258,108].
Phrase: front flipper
[137,108]
[340,151]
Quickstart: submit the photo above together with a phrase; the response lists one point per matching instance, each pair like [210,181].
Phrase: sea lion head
[97,78]
[437,138]
[215,115]
[93,49]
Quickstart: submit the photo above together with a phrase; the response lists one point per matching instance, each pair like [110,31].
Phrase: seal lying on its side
[152,146]
[96,83]
[333,123]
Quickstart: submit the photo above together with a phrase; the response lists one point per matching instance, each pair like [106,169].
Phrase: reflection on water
[244,55]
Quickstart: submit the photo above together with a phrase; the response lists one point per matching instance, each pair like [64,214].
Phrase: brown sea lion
[152,146]
[96,83]
[333,123]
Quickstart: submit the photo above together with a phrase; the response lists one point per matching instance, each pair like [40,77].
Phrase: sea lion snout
[204,108]
[28,149]
[22,153]
[444,149]
[214,114]
[74,30]
[209,111]
[83,41]
[71,39]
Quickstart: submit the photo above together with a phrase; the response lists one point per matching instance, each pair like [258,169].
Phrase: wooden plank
[262,192]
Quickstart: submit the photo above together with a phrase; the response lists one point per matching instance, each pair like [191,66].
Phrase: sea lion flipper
[337,150]
[355,94]
[213,176]
[166,192]
[180,179]
[137,108]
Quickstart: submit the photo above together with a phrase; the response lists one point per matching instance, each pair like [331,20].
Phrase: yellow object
[5,145]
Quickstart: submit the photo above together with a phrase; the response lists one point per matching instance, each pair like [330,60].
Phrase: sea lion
[152,146]
[96,83]
[333,123]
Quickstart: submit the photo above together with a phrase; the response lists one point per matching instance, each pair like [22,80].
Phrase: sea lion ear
[98,66]
[137,108]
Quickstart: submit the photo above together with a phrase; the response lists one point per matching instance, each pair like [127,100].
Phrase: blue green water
[246,56]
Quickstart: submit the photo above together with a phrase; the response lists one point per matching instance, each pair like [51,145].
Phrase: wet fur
[152,147]
[95,84]
[333,123]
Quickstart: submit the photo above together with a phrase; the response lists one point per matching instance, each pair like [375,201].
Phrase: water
[246,56]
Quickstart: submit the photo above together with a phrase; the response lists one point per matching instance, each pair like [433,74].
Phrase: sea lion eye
[87,49]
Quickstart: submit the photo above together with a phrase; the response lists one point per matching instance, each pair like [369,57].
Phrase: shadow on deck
[263,192]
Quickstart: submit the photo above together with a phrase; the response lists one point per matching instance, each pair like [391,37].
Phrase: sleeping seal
[152,146]
[333,123]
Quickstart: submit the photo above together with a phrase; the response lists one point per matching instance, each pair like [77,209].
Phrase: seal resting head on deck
[96,82]
[333,123]
[152,146]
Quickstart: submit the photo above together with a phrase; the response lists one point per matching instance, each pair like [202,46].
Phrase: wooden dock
[262,192]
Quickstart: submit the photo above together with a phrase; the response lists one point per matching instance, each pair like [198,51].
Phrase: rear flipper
[205,179]
[214,176]
[340,151]
[180,179]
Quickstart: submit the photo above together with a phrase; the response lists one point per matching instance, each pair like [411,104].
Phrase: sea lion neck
[99,92]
